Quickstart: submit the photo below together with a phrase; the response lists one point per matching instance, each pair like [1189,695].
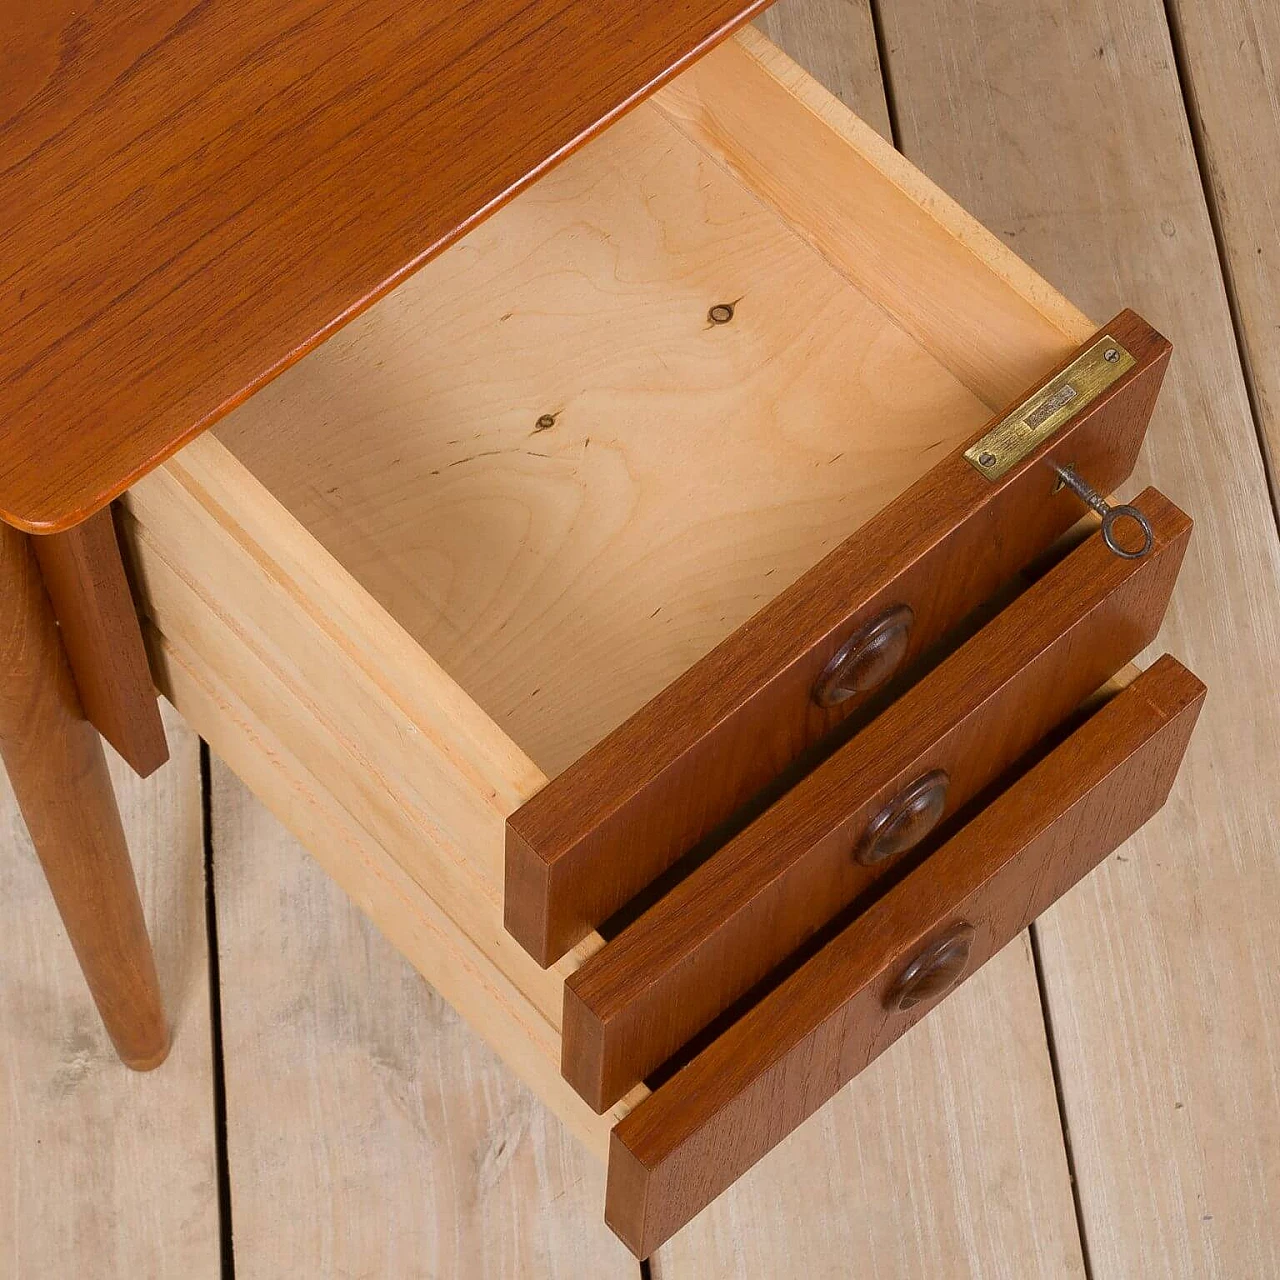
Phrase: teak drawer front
[805,1040]
[722,929]
[627,809]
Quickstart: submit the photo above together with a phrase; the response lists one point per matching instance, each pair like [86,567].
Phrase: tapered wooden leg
[58,771]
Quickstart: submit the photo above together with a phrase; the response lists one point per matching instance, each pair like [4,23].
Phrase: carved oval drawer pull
[867,659]
[905,820]
[935,970]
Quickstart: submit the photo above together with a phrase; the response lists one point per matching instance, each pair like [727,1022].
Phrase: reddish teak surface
[749,906]
[58,770]
[87,585]
[193,195]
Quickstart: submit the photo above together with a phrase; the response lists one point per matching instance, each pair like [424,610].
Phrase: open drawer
[538,571]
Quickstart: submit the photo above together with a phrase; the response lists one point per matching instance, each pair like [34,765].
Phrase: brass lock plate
[1057,402]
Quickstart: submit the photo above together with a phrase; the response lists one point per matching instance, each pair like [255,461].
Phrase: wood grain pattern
[107,1172]
[86,582]
[908,246]
[1154,965]
[58,772]
[943,1158]
[626,810]
[489,1000]
[370,1131]
[227,573]
[834,41]
[410,445]
[361,743]
[749,906]
[804,1041]
[1230,50]
[193,198]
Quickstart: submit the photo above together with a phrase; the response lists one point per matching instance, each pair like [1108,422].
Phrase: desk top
[195,194]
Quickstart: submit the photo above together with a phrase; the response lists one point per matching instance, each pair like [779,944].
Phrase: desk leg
[58,771]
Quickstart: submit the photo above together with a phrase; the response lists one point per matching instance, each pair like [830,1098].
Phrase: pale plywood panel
[370,1132]
[1163,969]
[873,217]
[563,576]
[355,739]
[1232,52]
[944,1159]
[105,1172]
[540,446]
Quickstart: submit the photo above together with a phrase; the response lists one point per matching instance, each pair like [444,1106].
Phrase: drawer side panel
[370,754]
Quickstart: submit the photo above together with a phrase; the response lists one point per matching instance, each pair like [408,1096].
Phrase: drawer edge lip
[708,105]
[341,610]
[1057,309]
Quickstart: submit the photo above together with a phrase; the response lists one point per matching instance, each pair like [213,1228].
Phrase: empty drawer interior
[584,444]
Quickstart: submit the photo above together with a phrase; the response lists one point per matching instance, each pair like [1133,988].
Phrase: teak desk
[662,601]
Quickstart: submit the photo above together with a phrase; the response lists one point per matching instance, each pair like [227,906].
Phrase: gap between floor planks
[107,1172]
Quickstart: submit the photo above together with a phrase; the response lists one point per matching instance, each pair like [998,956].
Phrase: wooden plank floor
[1104,1100]
[105,1173]
[1162,971]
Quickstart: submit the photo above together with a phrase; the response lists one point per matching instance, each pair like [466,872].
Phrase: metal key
[1092,498]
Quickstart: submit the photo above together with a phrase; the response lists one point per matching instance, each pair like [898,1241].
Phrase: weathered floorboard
[1163,968]
[370,1132]
[946,1157]
[1232,78]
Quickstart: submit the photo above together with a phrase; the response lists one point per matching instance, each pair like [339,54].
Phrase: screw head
[1111,355]
[987,459]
